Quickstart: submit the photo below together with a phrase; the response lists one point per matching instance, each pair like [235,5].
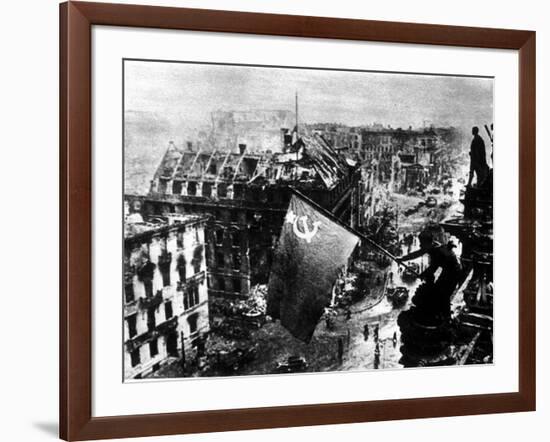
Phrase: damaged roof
[330,165]
[310,159]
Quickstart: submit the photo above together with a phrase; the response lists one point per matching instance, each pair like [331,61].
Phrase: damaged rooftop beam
[194,161]
[239,163]
[208,163]
[223,166]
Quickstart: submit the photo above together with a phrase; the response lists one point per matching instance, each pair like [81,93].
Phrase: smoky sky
[184,93]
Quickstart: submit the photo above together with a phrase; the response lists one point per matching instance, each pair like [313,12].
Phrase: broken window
[237,285]
[191,297]
[207,189]
[164,267]
[238,191]
[134,356]
[220,262]
[191,188]
[181,268]
[253,194]
[129,288]
[153,348]
[176,187]
[145,274]
[132,322]
[221,283]
[197,258]
[237,261]
[151,320]
[236,238]
[168,309]
[222,190]
[196,294]
[192,320]
[219,237]
[164,260]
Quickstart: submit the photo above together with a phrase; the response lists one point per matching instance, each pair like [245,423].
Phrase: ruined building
[475,232]
[246,194]
[468,339]
[405,159]
[165,294]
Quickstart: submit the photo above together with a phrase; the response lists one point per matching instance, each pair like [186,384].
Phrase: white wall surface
[29,221]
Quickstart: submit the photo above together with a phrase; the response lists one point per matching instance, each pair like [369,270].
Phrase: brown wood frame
[76,421]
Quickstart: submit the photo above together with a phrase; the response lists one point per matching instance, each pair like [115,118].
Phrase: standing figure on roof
[436,299]
[478,160]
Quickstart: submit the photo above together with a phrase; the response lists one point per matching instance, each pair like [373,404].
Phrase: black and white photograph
[294,219]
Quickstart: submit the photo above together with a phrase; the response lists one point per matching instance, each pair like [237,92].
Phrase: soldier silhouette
[478,160]
[436,300]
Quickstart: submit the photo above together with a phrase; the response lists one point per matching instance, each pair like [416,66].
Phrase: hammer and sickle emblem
[305,233]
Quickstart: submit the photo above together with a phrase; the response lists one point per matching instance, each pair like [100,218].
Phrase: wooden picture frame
[76,20]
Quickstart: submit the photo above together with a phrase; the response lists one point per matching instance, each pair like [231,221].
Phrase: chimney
[242,148]
[190,146]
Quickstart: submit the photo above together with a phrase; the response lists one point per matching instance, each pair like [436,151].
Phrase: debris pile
[230,347]
[255,304]
[226,356]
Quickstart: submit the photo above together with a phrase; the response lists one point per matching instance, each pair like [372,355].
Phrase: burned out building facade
[406,159]
[245,195]
[166,313]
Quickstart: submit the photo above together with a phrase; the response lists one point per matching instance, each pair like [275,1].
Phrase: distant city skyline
[185,94]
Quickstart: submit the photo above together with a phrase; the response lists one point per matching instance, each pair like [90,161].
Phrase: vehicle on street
[431,202]
[233,360]
[410,211]
[398,296]
[294,364]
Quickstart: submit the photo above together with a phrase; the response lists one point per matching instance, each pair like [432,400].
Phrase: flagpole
[331,216]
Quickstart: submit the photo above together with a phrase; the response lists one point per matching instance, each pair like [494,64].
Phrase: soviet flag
[311,252]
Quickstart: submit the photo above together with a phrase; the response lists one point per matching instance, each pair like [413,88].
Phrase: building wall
[255,214]
[174,303]
[239,236]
